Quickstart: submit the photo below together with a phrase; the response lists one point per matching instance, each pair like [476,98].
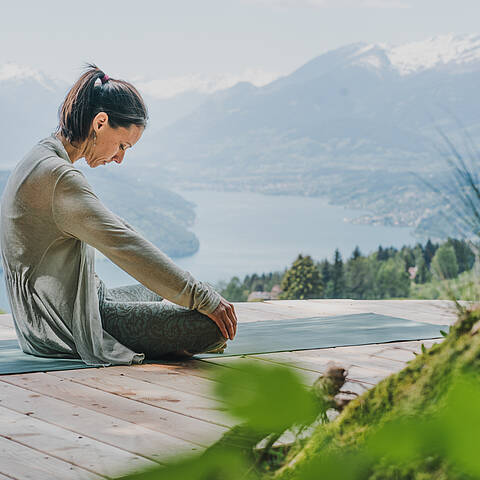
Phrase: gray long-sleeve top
[50,223]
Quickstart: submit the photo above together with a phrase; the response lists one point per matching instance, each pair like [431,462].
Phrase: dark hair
[94,93]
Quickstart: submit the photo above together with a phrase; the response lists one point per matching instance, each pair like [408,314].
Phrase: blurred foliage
[421,423]
[266,400]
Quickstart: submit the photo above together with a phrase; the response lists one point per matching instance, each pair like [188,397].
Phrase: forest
[427,270]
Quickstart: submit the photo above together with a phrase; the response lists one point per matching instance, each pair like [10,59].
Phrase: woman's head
[102,116]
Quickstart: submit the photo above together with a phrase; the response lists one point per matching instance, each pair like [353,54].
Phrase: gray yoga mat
[265,337]
[323,332]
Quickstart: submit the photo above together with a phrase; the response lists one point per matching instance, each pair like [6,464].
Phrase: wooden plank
[307,376]
[7,333]
[318,308]
[192,366]
[6,320]
[410,312]
[317,360]
[181,426]
[23,463]
[312,368]
[149,393]
[396,354]
[352,356]
[3,477]
[366,372]
[86,453]
[415,345]
[119,433]
[166,376]
[258,311]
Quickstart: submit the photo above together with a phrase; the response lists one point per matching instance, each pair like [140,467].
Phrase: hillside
[412,425]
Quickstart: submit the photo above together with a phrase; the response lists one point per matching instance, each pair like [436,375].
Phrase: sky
[173,46]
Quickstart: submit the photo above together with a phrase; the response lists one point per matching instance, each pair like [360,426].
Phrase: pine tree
[325,270]
[429,252]
[356,253]
[463,253]
[337,278]
[302,280]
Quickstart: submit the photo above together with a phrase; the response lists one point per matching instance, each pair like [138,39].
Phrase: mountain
[345,124]
[357,124]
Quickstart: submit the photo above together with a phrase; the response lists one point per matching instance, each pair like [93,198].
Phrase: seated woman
[50,223]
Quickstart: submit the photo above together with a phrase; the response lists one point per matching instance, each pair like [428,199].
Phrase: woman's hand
[225,318]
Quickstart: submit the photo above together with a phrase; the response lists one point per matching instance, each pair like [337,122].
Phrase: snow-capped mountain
[15,73]
[457,52]
[361,105]
[454,51]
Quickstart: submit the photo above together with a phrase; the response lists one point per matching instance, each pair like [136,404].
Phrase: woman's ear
[100,121]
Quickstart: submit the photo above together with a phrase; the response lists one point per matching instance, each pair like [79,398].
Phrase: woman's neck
[74,153]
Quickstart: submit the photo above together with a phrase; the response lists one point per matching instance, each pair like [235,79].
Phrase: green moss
[417,389]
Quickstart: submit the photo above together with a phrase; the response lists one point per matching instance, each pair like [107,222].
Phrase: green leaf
[224,464]
[268,398]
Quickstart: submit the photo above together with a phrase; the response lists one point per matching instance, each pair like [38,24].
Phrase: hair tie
[105,78]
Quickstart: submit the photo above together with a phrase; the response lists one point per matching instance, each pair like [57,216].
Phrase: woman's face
[110,143]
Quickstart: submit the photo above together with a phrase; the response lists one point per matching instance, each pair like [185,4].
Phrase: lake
[242,233]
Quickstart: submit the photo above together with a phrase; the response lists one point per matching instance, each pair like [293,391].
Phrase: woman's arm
[79,213]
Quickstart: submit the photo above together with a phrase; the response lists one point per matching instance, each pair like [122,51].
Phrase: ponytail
[96,92]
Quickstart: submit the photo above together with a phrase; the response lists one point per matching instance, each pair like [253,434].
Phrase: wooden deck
[102,422]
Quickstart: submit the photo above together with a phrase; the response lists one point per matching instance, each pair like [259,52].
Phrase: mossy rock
[416,390]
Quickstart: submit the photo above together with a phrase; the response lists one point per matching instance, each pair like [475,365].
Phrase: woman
[51,221]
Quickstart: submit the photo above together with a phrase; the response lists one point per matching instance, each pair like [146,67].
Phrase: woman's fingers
[221,326]
[230,320]
[233,320]
[225,318]
[229,324]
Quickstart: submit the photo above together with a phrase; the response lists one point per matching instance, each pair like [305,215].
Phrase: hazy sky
[178,43]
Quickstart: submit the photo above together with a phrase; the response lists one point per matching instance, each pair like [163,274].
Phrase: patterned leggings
[146,323]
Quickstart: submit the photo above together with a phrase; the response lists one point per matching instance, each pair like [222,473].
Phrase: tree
[302,280]
[359,278]
[337,277]
[356,253]
[235,291]
[429,252]
[463,253]
[382,255]
[392,280]
[325,271]
[444,262]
